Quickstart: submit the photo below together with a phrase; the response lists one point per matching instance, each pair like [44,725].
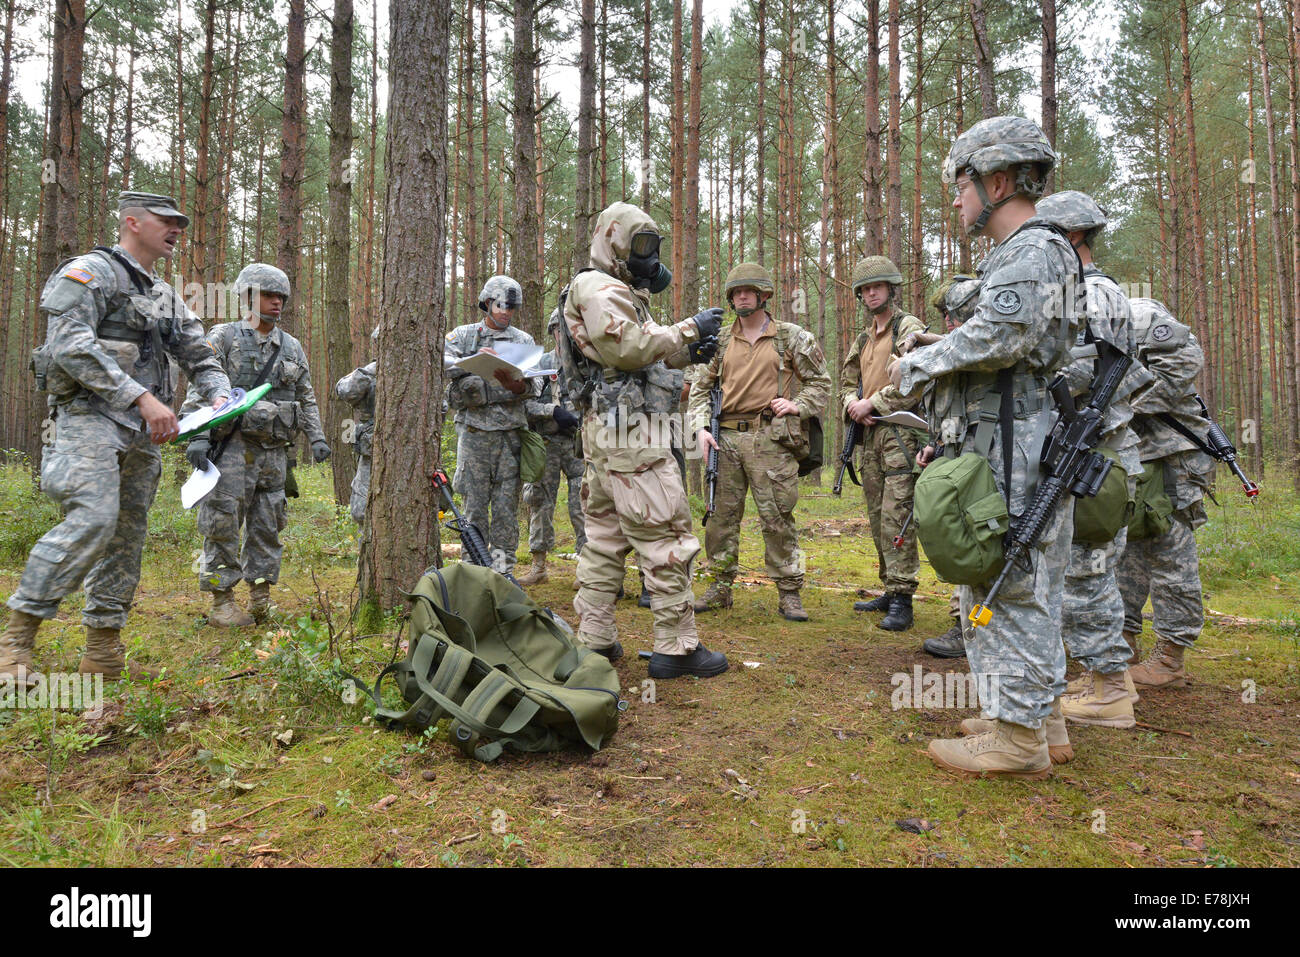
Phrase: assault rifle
[711,463]
[853,435]
[1216,445]
[473,546]
[1068,463]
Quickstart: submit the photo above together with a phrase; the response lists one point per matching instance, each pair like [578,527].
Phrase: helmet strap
[977,227]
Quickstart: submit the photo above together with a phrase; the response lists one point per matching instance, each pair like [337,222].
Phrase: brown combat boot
[537,574]
[718,596]
[1083,684]
[16,645]
[1105,704]
[1163,668]
[1008,751]
[226,613]
[1134,645]
[106,655]
[1059,749]
[790,607]
[259,601]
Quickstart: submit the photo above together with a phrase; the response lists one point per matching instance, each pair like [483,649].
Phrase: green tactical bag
[1097,520]
[532,456]
[961,518]
[1151,516]
[506,672]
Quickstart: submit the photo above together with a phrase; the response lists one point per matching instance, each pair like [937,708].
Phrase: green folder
[238,403]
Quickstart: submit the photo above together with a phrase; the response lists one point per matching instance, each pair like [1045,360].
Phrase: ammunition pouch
[267,422]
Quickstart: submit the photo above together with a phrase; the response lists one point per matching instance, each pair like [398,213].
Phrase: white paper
[196,419]
[909,419]
[485,364]
[198,485]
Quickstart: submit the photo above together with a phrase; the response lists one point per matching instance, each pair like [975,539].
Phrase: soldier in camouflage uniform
[357,389]
[761,435]
[252,455]
[632,490]
[1166,566]
[1021,332]
[490,418]
[1092,617]
[955,301]
[553,416]
[888,451]
[113,328]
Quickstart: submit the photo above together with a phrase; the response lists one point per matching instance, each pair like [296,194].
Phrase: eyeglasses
[961,184]
[645,244]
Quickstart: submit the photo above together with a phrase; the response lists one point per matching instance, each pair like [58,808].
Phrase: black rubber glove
[320,450]
[704,350]
[708,321]
[197,453]
[566,420]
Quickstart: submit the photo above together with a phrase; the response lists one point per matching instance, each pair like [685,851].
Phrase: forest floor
[245,754]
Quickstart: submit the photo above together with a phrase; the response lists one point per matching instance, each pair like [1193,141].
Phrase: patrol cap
[154,202]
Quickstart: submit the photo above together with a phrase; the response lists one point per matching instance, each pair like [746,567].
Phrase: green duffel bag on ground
[1098,519]
[507,672]
[532,456]
[961,518]
[1153,507]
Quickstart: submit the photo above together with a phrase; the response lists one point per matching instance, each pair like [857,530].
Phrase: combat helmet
[874,269]
[501,289]
[962,297]
[748,276]
[1073,211]
[1001,143]
[257,278]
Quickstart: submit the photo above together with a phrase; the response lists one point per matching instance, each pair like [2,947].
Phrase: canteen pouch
[961,519]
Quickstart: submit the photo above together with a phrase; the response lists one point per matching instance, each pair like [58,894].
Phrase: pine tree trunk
[292,157]
[690,236]
[893,188]
[645,110]
[582,212]
[677,150]
[338,254]
[1049,82]
[871,186]
[760,153]
[199,271]
[918,250]
[983,59]
[473,249]
[73,13]
[402,539]
[523,250]
[1199,287]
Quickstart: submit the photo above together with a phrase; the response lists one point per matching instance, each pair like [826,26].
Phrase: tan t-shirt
[749,373]
[874,358]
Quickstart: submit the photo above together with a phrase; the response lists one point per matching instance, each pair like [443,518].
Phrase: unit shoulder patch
[1007,302]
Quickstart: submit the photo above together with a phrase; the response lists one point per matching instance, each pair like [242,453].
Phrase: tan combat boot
[1009,751]
[226,613]
[1083,684]
[106,655]
[1134,646]
[16,646]
[538,573]
[259,601]
[790,606]
[1163,668]
[718,596]
[1059,749]
[1106,704]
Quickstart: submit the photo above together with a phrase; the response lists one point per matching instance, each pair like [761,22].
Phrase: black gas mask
[644,265]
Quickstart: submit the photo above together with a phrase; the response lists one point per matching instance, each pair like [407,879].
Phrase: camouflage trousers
[360,489]
[104,476]
[753,461]
[249,498]
[888,461]
[1166,569]
[1018,657]
[647,512]
[1092,614]
[540,497]
[487,476]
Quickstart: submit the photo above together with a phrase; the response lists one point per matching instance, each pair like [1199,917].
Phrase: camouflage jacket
[357,389]
[243,352]
[799,353]
[112,328]
[887,399]
[478,403]
[1022,322]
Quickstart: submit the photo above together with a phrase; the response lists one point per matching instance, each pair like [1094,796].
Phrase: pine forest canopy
[803,135]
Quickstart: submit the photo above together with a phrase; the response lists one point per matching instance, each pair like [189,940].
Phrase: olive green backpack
[961,518]
[507,672]
[1098,519]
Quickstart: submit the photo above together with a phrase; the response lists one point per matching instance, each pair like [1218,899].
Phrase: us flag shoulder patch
[80,275]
